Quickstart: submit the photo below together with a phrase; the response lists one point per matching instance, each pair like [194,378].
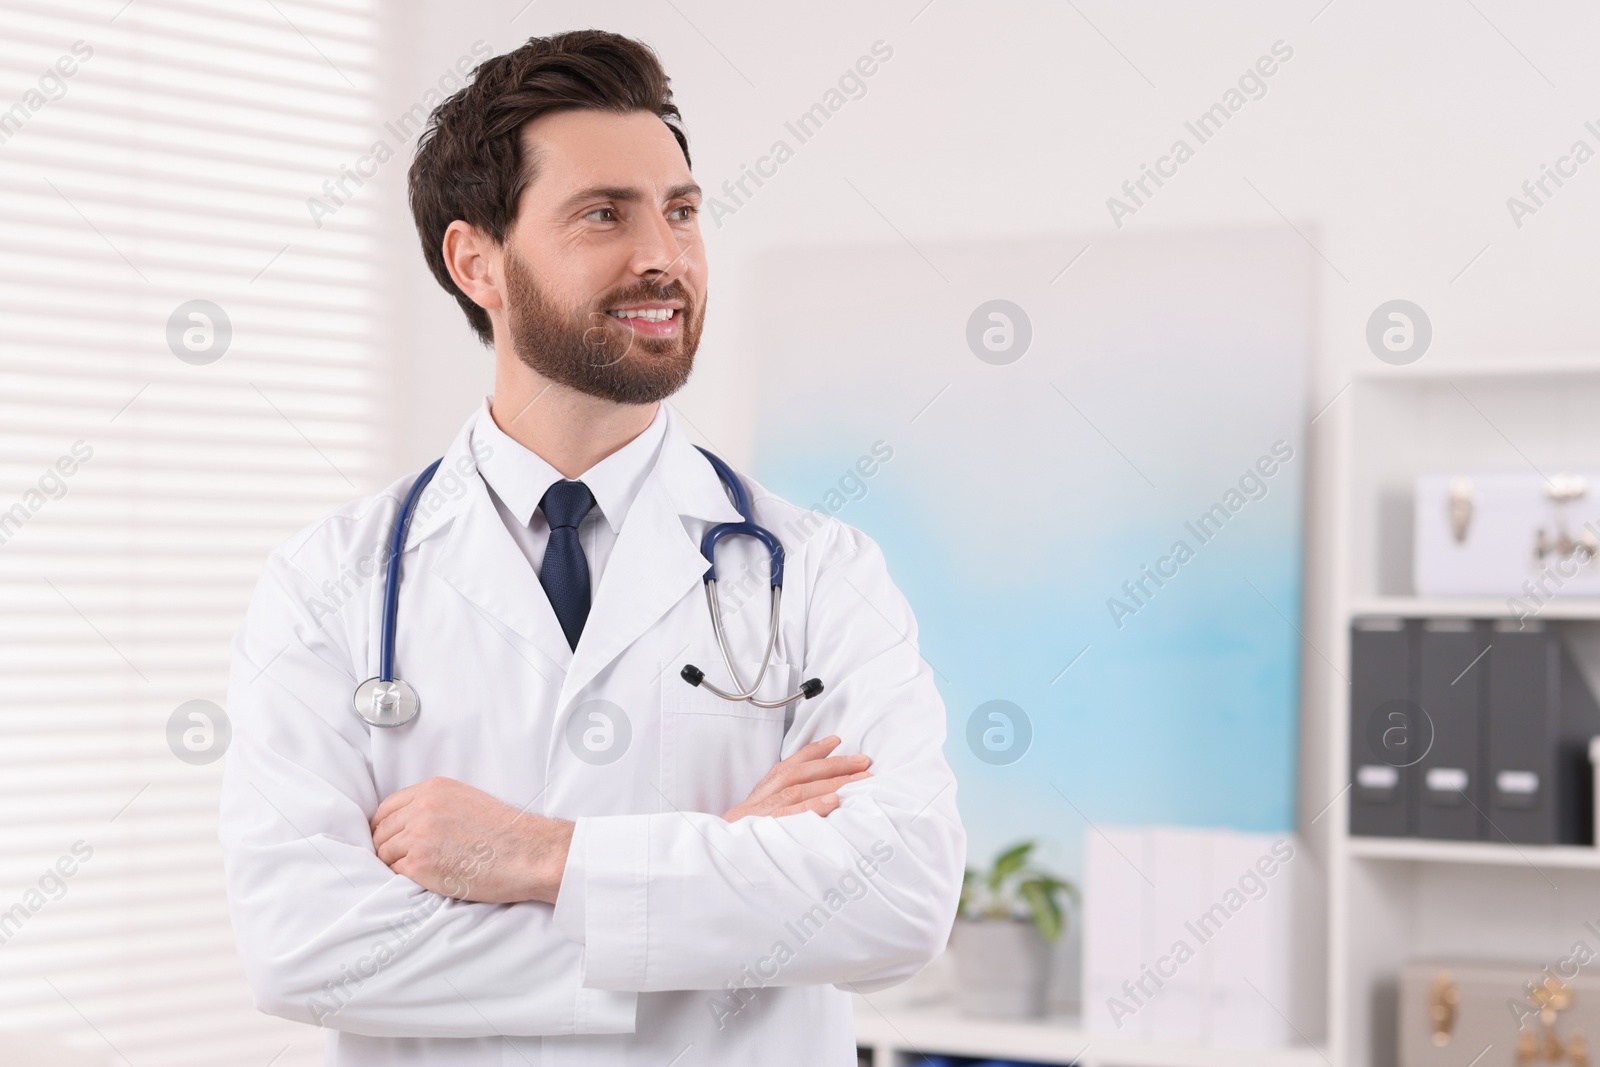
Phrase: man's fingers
[815,750]
[394,801]
[817,770]
[821,805]
[810,764]
[390,824]
[802,791]
[804,782]
[784,777]
[392,850]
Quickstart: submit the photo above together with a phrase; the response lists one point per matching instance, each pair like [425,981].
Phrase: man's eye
[685,213]
[607,211]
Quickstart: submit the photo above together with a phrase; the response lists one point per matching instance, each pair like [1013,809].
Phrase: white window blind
[140,492]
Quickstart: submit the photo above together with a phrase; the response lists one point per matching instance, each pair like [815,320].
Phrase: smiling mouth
[646,314]
[659,322]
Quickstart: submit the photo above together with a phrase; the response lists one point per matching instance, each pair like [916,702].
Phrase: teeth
[650,314]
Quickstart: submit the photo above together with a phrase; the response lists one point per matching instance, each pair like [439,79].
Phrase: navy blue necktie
[565,574]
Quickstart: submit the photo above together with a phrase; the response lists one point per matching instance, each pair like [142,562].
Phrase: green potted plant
[1008,918]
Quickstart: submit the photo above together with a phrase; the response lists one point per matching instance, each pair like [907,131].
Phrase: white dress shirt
[518,478]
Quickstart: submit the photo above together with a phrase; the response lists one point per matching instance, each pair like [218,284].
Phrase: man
[571,855]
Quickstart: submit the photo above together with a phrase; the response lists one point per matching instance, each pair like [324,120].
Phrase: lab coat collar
[519,476]
[656,560]
[694,488]
[689,479]
[452,485]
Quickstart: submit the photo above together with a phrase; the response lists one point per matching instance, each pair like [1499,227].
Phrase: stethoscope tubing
[745,692]
[391,583]
[746,527]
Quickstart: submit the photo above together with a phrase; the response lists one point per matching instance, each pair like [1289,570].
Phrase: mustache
[645,292]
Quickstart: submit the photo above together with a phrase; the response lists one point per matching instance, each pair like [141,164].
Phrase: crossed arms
[369,914]
[422,831]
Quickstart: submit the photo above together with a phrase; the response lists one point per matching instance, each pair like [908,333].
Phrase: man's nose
[662,254]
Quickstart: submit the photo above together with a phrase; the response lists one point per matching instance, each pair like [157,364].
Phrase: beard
[596,353]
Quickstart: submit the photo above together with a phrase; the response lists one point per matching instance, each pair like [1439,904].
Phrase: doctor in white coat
[572,856]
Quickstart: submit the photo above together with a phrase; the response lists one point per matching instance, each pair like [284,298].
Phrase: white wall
[1391,139]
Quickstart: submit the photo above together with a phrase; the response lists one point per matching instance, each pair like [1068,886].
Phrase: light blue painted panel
[1020,498]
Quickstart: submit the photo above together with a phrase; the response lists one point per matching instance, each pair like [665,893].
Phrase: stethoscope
[745,527]
[389,701]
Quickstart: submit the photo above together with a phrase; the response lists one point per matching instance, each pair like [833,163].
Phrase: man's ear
[473,260]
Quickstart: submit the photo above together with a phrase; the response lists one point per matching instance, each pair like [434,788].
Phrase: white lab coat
[678,938]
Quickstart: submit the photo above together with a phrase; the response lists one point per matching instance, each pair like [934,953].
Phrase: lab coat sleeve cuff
[570,910]
[603,1011]
[615,859]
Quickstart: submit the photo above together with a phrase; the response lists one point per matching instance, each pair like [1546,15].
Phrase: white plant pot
[1001,967]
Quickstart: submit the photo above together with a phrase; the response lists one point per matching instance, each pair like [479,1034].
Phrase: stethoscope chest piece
[383,703]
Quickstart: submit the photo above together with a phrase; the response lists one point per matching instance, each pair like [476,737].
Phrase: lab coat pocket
[714,751]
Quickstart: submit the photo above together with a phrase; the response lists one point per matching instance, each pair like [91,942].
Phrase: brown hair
[469,163]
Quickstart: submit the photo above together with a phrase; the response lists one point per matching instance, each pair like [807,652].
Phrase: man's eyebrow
[625,195]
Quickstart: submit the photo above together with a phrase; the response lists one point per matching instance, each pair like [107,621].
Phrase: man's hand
[459,841]
[806,781]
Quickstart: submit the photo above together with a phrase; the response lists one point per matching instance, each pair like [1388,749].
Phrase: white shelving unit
[1394,900]
[1469,607]
[1414,850]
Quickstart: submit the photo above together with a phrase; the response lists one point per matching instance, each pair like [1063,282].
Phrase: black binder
[1541,716]
[1381,670]
[1453,661]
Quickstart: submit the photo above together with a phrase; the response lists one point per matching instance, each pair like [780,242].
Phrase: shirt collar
[519,476]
